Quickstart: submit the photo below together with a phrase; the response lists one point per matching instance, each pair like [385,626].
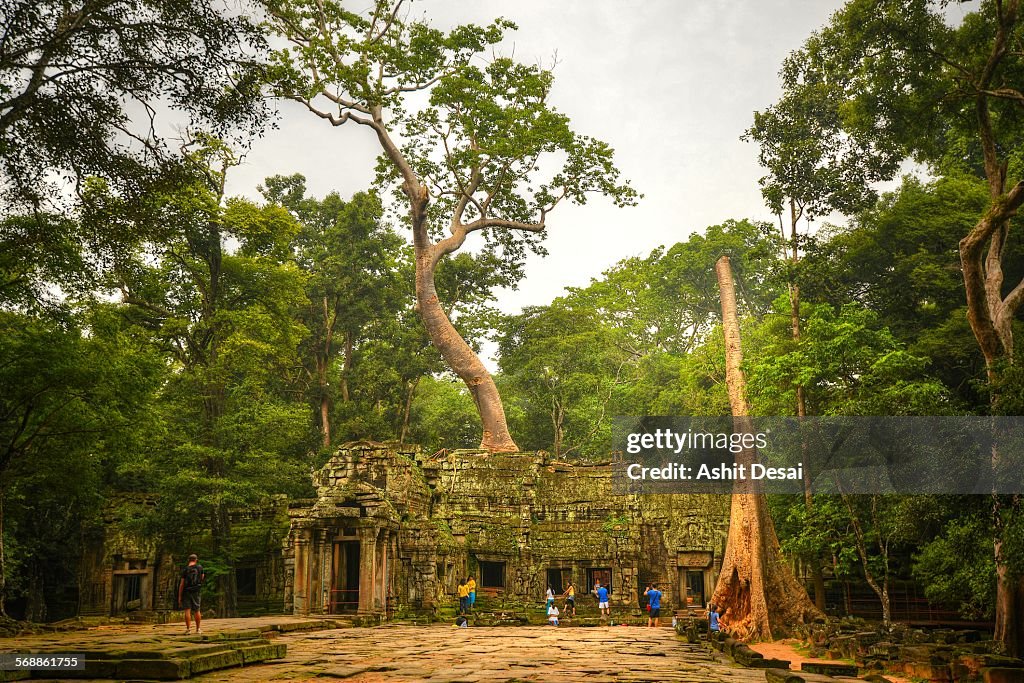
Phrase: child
[553,614]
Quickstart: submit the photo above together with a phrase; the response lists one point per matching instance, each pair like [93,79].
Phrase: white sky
[669,84]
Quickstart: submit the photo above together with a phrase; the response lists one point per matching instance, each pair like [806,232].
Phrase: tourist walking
[713,619]
[653,605]
[190,592]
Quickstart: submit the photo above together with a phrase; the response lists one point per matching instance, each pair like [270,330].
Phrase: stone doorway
[345,578]
[127,593]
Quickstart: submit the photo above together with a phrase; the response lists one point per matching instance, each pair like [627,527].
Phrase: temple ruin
[394,529]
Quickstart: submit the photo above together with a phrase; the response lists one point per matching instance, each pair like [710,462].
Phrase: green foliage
[955,565]
[443,415]
[490,150]
[78,83]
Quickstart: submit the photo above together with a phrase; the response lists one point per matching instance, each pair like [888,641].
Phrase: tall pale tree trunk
[410,391]
[756,588]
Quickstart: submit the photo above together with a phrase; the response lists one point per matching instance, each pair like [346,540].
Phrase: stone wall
[513,521]
[124,571]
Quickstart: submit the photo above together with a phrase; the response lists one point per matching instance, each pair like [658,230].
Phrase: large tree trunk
[462,360]
[756,589]
[410,391]
[456,352]
[1009,628]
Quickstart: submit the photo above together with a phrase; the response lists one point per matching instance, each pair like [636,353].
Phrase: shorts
[602,605]
[655,612]
[190,600]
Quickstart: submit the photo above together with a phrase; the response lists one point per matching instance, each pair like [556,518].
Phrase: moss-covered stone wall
[512,520]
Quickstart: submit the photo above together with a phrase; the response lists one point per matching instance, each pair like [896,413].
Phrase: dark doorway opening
[492,574]
[127,592]
[694,588]
[245,581]
[345,592]
[559,579]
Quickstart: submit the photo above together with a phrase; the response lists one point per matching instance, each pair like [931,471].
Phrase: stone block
[782,676]
[214,661]
[745,656]
[774,663]
[261,653]
[829,668]
[1000,674]
[15,675]
[96,668]
[937,673]
[154,669]
[876,678]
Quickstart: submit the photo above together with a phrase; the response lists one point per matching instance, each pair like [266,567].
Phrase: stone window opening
[602,574]
[492,574]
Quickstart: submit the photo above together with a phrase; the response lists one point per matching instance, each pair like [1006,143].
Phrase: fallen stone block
[154,669]
[261,653]
[1002,675]
[214,661]
[829,669]
[774,663]
[782,676]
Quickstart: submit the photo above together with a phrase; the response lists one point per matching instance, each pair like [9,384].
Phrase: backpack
[193,576]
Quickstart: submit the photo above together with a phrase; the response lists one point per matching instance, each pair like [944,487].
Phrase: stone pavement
[163,652]
[532,653]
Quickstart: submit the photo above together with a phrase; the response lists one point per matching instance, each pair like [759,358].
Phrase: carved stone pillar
[301,586]
[367,569]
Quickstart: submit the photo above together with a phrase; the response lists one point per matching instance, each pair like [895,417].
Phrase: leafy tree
[77,400]
[81,83]
[667,302]
[945,95]
[474,139]
[225,320]
[565,366]
[442,414]
[352,261]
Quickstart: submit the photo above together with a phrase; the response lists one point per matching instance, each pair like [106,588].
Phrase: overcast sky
[669,84]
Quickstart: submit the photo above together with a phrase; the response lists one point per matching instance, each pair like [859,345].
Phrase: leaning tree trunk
[756,588]
[462,360]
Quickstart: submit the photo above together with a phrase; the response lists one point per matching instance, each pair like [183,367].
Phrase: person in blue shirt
[713,619]
[602,600]
[654,602]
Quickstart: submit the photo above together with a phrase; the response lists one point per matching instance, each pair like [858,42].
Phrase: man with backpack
[189,592]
